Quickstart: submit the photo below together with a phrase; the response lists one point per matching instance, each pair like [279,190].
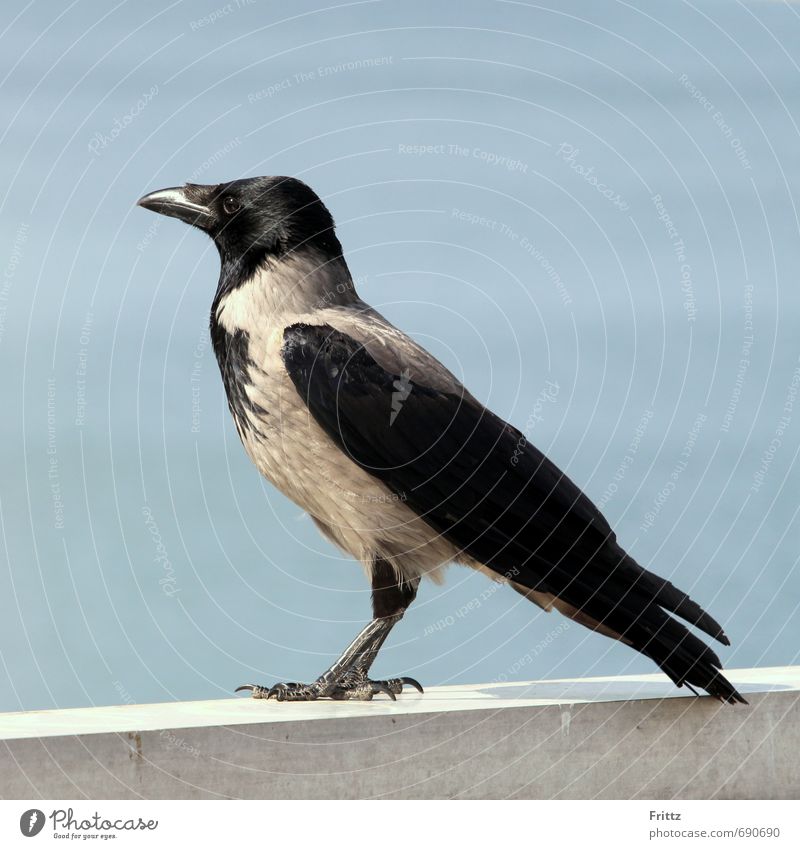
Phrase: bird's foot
[353,685]
[359,687]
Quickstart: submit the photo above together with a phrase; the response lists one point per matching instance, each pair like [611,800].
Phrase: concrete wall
[569,739]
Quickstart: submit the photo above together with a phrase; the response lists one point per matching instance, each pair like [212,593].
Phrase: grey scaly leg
[348,677]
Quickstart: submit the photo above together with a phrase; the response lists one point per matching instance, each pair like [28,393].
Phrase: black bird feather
[476,480]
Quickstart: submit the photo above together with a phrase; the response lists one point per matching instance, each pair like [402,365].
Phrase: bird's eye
[231,205]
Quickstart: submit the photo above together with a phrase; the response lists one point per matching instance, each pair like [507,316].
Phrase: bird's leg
[348,677]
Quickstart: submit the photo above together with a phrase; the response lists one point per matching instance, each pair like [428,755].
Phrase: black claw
[414,683]
[380,687]
[258,692]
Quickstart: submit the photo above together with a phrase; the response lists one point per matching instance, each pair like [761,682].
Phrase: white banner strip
[386,824]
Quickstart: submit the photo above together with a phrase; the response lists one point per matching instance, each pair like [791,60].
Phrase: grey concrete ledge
[624,737]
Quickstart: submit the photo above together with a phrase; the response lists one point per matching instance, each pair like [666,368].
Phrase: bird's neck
[296,284]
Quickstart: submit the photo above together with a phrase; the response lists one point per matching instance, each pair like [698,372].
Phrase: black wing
[477,481]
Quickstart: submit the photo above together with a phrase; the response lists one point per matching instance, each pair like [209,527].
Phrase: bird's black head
[252,221]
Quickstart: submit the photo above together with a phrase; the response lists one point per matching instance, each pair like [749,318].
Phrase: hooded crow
[393,459]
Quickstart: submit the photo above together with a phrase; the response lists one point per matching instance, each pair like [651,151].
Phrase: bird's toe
[412,682]
[256,690]
[363,689]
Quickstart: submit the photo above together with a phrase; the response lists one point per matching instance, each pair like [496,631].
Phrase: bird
[396,463]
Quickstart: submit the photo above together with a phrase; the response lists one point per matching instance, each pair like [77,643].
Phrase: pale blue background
[256,594]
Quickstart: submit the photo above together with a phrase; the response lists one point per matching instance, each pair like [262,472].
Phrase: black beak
[188,203]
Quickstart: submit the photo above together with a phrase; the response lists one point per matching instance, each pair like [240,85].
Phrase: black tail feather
[680,654]
[671,598]
[635,610]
